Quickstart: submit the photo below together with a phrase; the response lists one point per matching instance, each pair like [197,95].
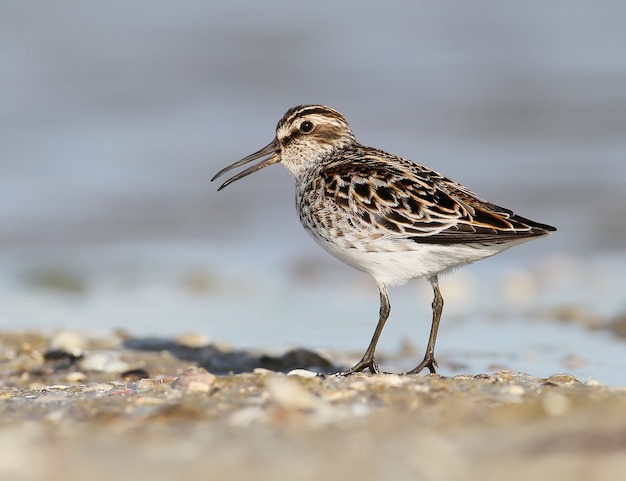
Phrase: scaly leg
[368,361]
[429,358]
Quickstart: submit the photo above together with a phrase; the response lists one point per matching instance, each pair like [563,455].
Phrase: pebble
[57,387]
[134,375]
[512,393]
[302,373]
[69,341]
[145,384]
[195,379]
[60,358]
[37,386]
[103,361]
[562,380]
[290,394]
[514,389]
[196,341]
[262,370]
[75,377]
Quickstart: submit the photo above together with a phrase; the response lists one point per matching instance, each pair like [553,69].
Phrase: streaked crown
[308,133]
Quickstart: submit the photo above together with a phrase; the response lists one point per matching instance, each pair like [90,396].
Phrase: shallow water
[113,124]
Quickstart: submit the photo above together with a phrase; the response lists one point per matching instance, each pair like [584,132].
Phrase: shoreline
[103,417]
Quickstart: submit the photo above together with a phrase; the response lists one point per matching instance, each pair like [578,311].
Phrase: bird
[382,214]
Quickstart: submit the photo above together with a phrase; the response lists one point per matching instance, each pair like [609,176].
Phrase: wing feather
[410,201]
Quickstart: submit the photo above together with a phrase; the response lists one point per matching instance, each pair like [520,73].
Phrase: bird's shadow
[234,361]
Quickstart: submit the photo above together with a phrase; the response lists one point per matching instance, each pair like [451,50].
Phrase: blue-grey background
[114,116]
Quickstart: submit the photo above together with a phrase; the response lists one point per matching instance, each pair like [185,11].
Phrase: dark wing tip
[538,227]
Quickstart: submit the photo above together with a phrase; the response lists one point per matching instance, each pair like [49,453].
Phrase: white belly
[394,262]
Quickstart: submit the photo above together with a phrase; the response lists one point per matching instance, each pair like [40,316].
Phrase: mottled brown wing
[409,201]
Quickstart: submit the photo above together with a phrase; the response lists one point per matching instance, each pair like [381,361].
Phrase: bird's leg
[368,361]
[429,358]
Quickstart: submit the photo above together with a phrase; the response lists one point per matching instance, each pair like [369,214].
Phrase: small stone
[37,386]
[103,361]
[145,384]
[302,373]
[76,376]
[196,341]
[290,394]
[561,380]
[262,370]
[68,341]
[198,386]
[59,355]
[195,379]
[514,390]
[57,387]
[592,383]
[512,393]
[134,375]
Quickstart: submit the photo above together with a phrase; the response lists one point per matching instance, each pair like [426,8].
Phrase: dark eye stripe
[291,137]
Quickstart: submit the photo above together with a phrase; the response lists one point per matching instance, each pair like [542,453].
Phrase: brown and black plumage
[382,214]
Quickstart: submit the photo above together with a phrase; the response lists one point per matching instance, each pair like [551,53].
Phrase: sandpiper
[383,214]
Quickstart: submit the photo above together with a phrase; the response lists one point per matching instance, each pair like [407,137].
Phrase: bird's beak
[272,149]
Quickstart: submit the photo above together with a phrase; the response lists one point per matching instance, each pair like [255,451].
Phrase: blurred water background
[115,115]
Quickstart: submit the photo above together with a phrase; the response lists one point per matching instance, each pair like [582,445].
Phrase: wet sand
[106,407]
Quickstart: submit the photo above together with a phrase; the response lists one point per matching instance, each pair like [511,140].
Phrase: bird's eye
[306,127]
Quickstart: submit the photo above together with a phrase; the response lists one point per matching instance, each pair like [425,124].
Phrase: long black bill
[270,149]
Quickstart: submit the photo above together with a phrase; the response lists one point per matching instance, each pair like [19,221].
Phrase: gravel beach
[74,407]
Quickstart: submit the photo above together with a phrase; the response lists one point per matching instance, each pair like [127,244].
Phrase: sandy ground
[73,407]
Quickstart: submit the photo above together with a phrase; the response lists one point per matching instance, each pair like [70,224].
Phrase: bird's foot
[428,362]
[362,365]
